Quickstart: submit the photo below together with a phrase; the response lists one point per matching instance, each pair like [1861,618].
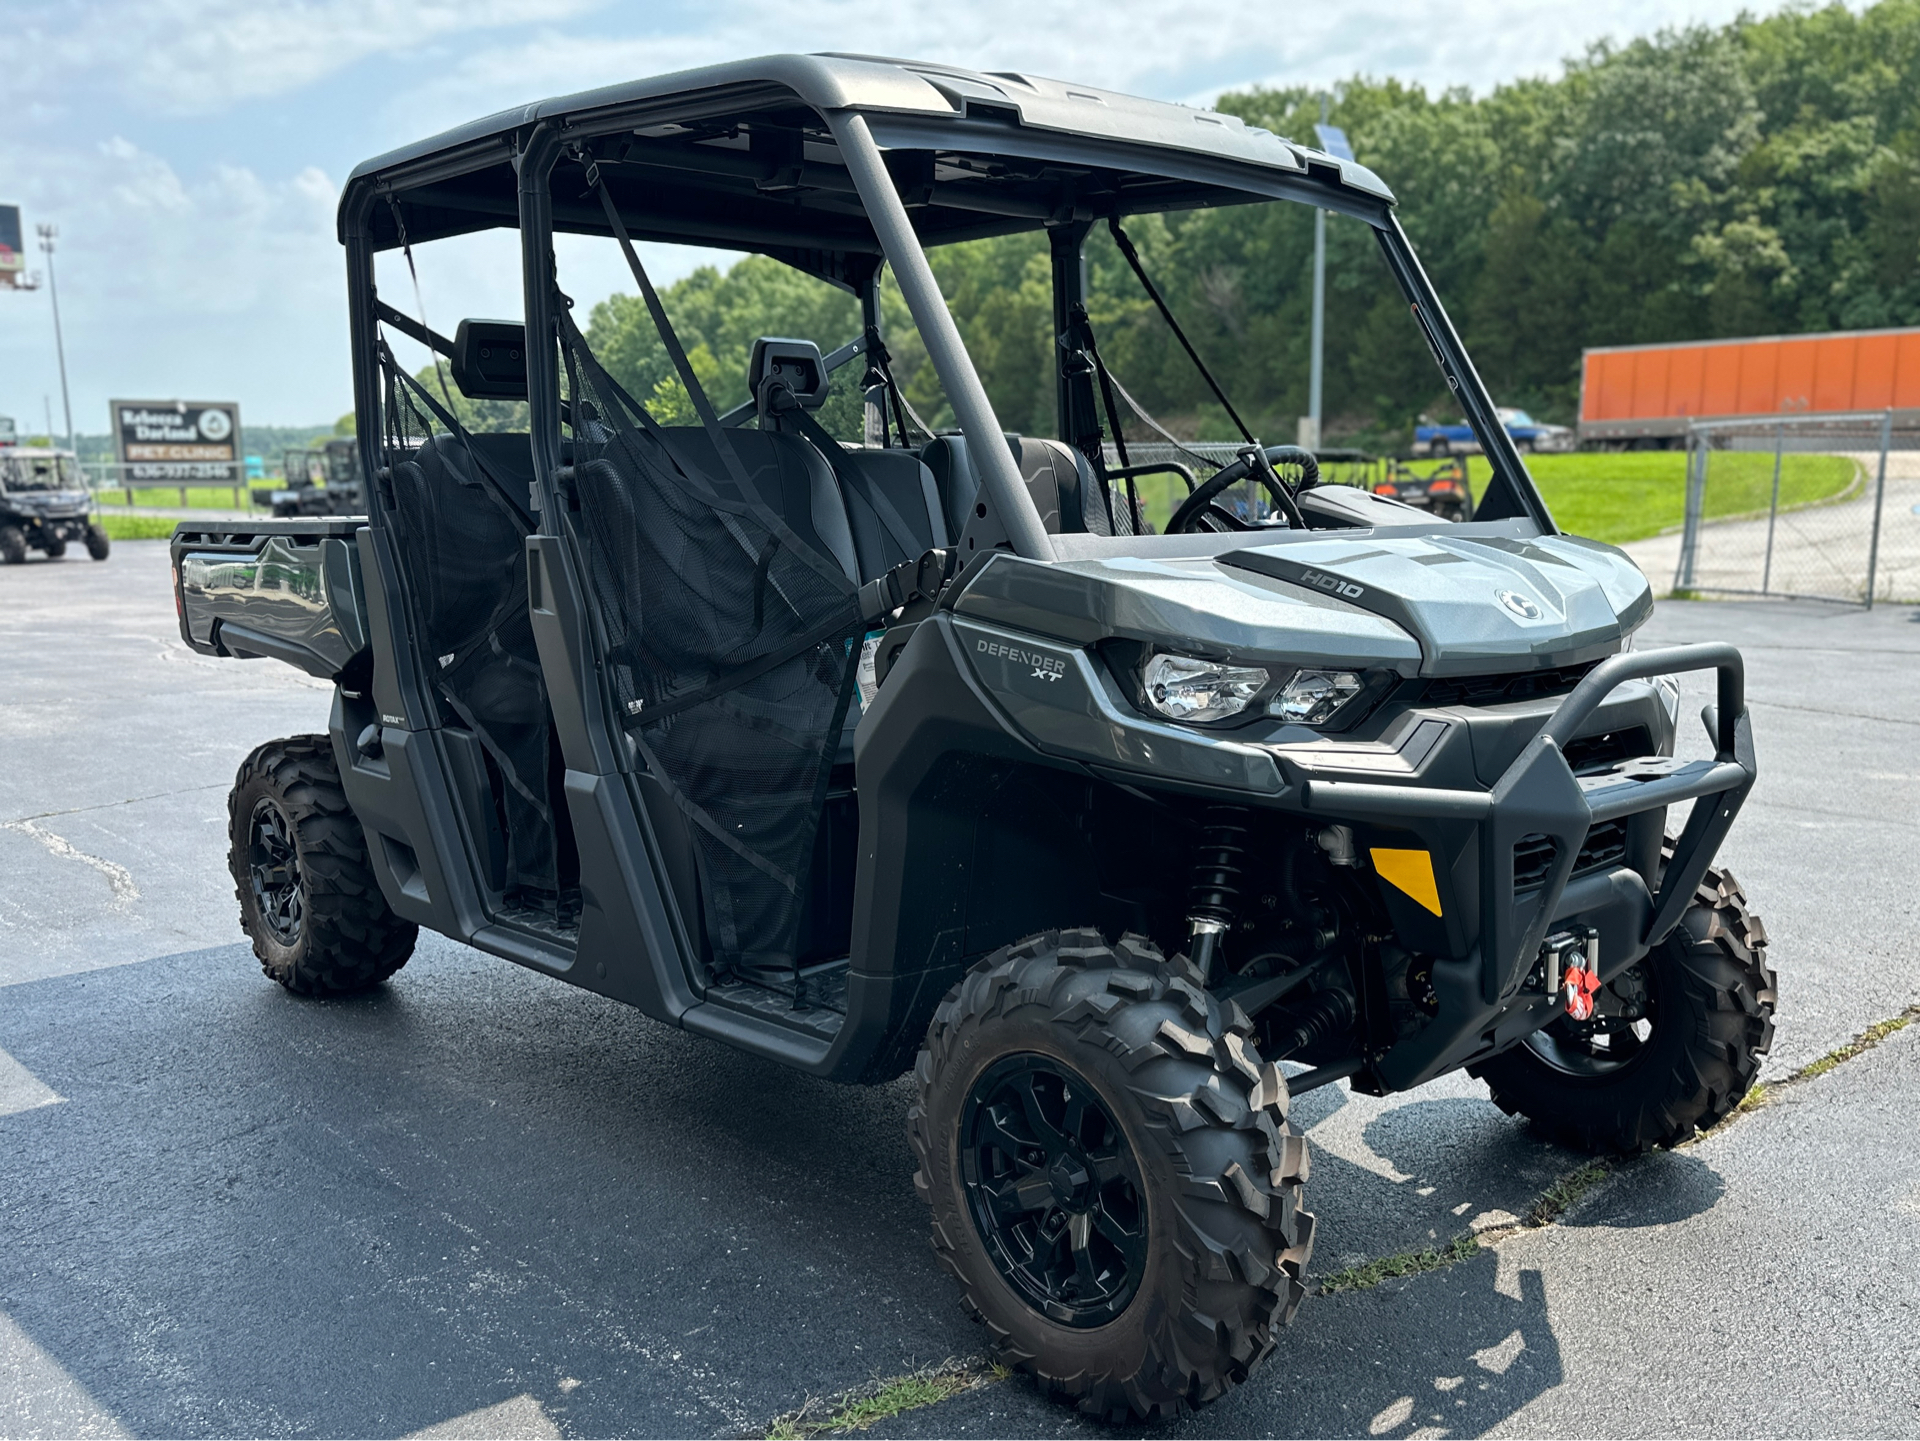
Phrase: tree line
[1761,177]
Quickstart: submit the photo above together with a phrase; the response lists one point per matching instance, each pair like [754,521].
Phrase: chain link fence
[1824,508]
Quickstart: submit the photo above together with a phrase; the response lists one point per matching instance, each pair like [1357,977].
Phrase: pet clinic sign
[176,440]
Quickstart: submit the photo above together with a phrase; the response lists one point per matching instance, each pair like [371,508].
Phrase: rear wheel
[308,898]
[98,545]
[1673,1044]
[55,549]
[1113,1180]
[13,544]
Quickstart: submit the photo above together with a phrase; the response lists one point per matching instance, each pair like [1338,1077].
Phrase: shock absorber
[1213,897]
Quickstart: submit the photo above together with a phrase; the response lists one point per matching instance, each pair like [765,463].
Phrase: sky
[191,152]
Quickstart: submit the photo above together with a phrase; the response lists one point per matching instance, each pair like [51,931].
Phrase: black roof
[738,155]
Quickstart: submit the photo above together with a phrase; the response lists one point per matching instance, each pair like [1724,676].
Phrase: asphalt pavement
[479,1202]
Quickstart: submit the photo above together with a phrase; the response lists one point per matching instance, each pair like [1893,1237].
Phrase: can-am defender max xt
[916,754]
[45,504]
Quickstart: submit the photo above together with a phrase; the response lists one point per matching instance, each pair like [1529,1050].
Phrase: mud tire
[99,544]
[1227,1239]
[347,939]
[1714,1024]
[13,545]
[54,549]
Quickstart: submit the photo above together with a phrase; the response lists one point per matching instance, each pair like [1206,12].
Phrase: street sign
[1333,140]
[171,441]
[13,250]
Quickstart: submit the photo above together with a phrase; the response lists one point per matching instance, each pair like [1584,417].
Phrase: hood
[1473,603]
[47,499]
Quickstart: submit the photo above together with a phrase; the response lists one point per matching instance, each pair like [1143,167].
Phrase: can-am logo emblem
[1519,605]
[1332,583]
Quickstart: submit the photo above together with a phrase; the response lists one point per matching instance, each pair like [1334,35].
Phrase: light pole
[1311,439]
[48,234]
[1333,141]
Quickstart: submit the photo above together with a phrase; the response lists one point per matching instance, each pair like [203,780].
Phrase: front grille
[1532,860]
[1533,856]
[1495,689]
[1606,845]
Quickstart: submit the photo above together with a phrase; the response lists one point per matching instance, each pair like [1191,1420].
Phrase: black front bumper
[1483,1001]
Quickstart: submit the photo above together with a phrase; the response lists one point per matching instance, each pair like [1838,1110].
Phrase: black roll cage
[871,225]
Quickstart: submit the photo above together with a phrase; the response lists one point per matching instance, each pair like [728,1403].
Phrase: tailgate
[288,589]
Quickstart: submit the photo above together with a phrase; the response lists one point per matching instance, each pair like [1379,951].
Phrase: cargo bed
[286,589]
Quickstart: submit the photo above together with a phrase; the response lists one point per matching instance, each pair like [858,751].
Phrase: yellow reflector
[1409,871]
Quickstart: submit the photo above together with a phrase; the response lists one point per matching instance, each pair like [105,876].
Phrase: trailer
[1645,396]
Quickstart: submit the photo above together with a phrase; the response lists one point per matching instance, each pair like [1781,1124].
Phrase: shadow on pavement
[1656,1190]
[477,1188]
[1447,1354]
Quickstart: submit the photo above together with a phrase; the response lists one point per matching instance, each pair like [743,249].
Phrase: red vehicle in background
[1644,396]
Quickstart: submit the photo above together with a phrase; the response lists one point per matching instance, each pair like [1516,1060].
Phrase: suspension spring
[1214,893]
[1213,897]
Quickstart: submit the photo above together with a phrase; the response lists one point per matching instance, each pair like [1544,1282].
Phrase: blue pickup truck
[1458,439]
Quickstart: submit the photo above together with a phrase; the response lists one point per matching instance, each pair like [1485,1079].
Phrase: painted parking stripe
[20,1089]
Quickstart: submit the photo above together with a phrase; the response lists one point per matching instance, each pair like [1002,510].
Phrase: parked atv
[1440,488]
[45,504]
[912,756]
[322,481]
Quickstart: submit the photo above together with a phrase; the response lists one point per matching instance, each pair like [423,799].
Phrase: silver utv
[913,750]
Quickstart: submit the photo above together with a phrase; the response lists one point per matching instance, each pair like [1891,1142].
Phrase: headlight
[1312,696]
[1185,689]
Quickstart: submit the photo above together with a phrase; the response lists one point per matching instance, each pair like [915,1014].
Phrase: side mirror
[794,365]
[489,359]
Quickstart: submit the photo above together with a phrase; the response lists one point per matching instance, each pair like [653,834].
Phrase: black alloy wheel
[273,869]
[1054,1189]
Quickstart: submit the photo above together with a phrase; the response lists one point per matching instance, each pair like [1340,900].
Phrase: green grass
[1865,1041]
[138,527]
[1618,498]
[1554,1202]
[1369,1274]
[857,1409]
[199,497]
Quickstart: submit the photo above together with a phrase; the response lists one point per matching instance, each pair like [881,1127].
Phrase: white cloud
[224,285]
[201,56]
[184,271]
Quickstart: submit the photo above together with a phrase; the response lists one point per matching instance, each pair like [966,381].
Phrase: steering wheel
[1204,504]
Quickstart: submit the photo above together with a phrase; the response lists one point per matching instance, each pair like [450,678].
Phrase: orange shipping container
[1650,392]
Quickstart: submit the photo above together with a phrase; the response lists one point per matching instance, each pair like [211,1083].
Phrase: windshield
[1515,417]
[23,471]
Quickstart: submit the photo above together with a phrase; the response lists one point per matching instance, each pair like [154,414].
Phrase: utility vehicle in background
[45,505]
[1441,489]
[324,480]
[908,754]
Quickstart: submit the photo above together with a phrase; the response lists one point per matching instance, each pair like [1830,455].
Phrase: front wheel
[98,545]
[1673,1044]
[1113,1179]
[308,898]
[13,545]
